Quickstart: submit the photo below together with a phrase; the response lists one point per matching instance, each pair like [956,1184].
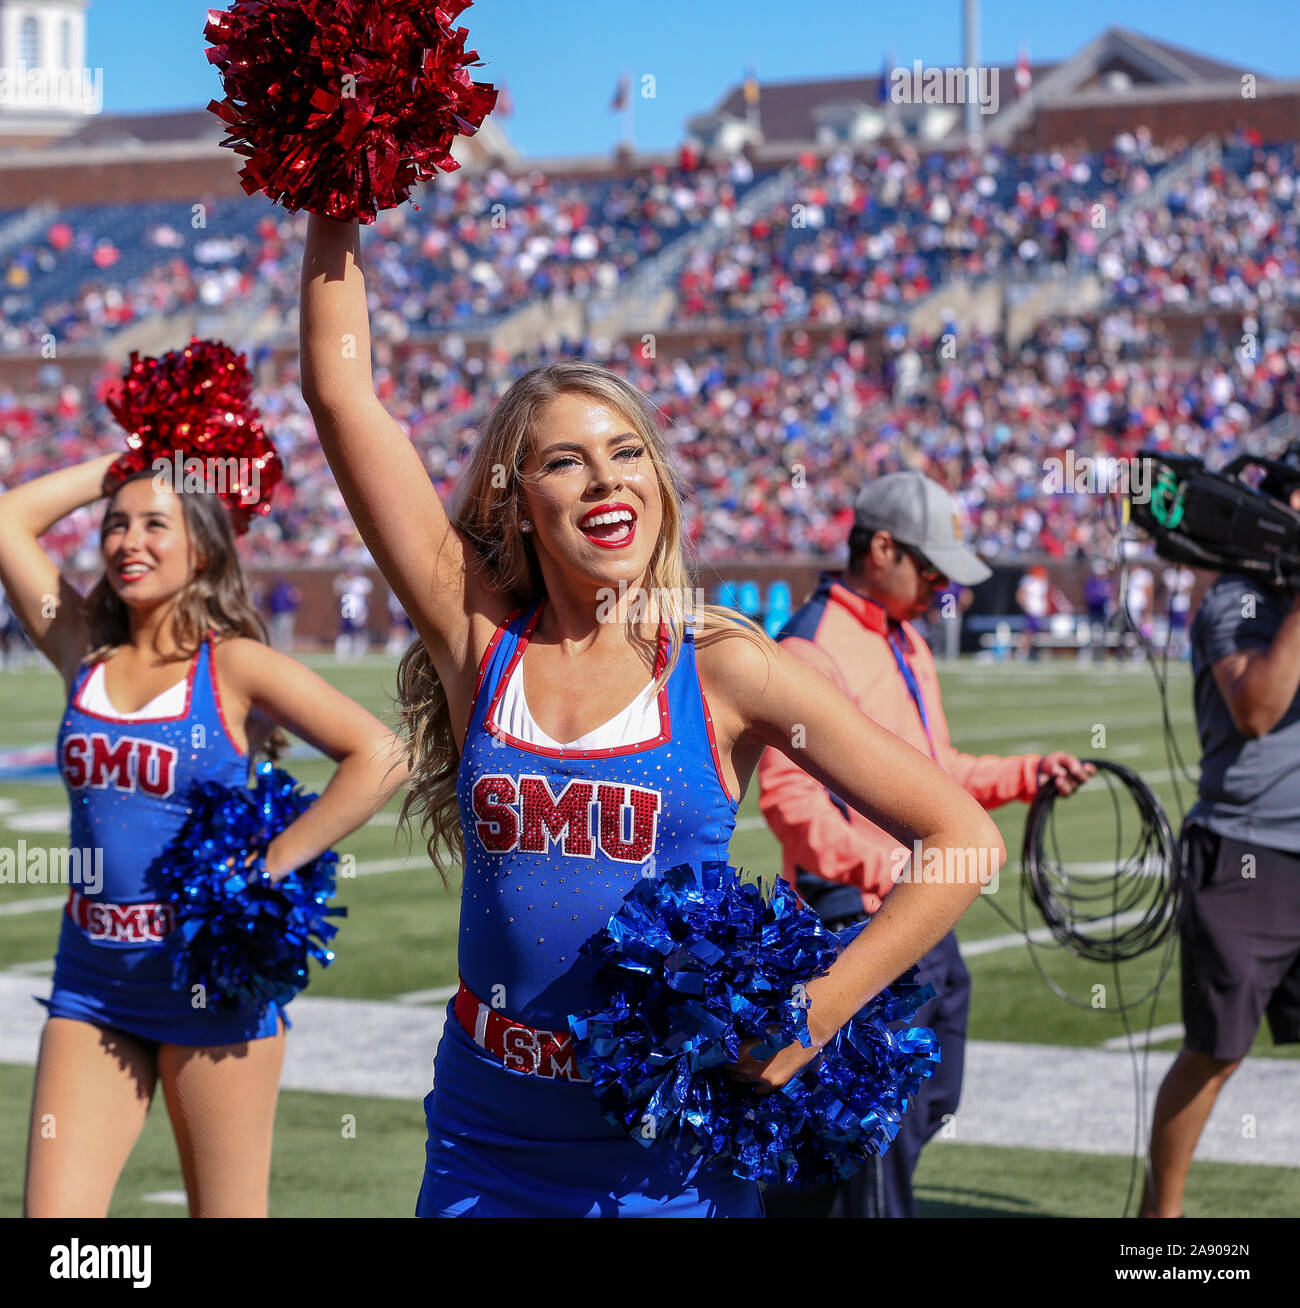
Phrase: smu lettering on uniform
[121,923]
[124,763]
[540,1052]
[523,813]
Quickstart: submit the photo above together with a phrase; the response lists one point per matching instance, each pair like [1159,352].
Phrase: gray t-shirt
[1249,789]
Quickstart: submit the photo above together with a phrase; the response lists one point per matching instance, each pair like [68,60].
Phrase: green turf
[321,1165]
[401,931]
[375,1160]
[957,1180]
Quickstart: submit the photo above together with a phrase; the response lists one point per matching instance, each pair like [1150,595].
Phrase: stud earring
[525,525]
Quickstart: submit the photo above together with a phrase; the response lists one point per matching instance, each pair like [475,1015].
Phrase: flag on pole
[1024,78]
[886,69]
[505,105]
[751,86]
[619,102]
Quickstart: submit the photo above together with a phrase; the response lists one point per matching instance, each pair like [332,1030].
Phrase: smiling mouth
[133,572]
[611,529]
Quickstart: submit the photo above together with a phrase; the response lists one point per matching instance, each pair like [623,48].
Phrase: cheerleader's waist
[475,1095]
[521,1048]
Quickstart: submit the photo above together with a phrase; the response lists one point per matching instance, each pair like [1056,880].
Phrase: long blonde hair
[214,602]
[486,511]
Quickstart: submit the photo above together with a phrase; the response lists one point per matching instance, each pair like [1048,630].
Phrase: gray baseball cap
[917,511]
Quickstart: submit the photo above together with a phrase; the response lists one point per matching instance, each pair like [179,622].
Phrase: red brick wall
[1275,115]
[135,181]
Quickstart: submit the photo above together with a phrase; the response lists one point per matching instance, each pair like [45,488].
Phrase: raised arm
[1259,685]
[386,487]
[47,605]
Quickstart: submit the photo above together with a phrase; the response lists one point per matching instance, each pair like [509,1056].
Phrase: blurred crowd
[851,238]
[773,441]
[1231,238]
[478,248]
[773,446]
[856,237]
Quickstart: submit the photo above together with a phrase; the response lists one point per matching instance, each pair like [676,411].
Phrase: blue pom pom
[241,936]
[697,962]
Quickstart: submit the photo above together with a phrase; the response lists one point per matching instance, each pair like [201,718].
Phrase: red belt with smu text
[521,1048]
[127,924]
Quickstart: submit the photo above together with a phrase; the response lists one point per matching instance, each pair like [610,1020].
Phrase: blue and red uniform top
[127,781]
[555,838]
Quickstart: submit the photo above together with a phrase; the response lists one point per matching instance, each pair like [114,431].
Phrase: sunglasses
[925,569]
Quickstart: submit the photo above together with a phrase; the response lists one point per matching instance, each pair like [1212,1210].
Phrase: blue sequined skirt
[130,990]
[508,1144]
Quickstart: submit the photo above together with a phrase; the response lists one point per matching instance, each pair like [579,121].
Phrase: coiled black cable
[1124,913]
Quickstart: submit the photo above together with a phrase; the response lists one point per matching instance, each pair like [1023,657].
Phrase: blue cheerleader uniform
[555,837]
[126,780]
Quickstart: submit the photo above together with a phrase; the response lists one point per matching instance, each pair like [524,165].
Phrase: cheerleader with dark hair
[170,682]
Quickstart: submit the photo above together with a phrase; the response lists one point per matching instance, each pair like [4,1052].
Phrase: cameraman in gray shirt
[1240,931]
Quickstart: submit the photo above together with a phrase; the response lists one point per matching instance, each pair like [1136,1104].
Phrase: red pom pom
[342,106]
[192,411]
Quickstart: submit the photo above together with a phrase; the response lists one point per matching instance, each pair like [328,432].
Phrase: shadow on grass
[953,1201]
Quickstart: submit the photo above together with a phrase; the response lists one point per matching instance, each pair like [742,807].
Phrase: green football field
[398,943]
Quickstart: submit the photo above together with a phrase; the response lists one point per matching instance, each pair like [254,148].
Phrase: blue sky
[561,59]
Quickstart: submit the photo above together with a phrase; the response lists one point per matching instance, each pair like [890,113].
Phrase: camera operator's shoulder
[1226,591]
[1237,612]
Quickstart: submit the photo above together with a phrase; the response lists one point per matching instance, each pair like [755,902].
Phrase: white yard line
[1055,728]
[1145,1039]
[46,904]
[1038,935]
[369,868]
[416,997]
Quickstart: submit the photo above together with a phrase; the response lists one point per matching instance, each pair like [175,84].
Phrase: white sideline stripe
[1013,1095]
[1144,1039]
[1039,935]
[1083,1101]
[373,867]
[175,1197]
[45,905]
[436,996]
